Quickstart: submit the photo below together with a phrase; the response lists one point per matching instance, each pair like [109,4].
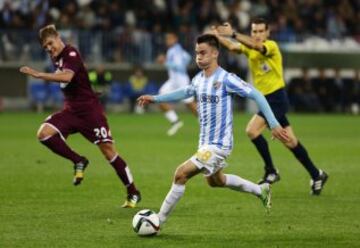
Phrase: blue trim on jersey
[223,117]
[214,94]
[202,91]
[231,125]
[213,107]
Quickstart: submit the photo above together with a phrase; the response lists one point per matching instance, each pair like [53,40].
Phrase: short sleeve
[271,47]
[72,61]
[236,85]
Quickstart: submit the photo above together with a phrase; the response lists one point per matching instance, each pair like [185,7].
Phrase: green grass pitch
[39,206]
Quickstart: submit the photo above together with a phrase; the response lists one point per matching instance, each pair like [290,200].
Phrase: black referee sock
[302,155]
[263,148]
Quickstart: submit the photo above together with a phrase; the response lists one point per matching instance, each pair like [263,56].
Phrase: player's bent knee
[44,132]
[180,176]
[40,135]
[291,144]
[251,133]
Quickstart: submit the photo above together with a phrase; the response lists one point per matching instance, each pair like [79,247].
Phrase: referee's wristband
[233,35]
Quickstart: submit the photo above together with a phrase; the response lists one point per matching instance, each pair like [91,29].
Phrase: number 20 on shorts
[101,132]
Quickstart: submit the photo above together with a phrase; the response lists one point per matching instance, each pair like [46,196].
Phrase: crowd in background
[133,32]
[324,93]
[289,18]
[308,92]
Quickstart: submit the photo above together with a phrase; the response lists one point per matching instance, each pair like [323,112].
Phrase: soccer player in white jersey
[214,88]
[176,62]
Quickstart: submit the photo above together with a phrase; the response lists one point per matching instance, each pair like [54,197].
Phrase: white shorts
[210,159]
[176,83]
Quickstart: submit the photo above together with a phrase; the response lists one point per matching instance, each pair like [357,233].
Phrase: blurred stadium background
[320,41]
[39,207]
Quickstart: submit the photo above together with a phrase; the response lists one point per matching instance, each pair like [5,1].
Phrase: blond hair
[49,30]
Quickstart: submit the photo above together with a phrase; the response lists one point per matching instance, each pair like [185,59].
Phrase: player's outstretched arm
[61,77]
[227,31]
[230,45]
[277,131]
[174,96]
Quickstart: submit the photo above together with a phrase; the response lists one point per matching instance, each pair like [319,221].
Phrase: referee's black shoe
[318,184]
[270,178]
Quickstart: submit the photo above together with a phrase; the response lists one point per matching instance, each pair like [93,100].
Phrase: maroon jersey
[79,97]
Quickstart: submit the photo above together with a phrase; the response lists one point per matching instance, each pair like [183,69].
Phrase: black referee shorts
[279,104]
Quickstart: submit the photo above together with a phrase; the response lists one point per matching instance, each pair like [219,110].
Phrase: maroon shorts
[92,125]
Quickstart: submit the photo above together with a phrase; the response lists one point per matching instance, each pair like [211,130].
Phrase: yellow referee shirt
[266,69]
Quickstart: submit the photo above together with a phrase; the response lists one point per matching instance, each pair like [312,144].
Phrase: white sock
[171,116]
[139,109]
[239,184]
[174,195]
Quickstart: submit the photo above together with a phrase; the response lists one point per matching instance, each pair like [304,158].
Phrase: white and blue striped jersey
[177,60]
[214,95]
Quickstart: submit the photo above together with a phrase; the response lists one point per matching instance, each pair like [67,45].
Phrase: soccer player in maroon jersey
[82,113]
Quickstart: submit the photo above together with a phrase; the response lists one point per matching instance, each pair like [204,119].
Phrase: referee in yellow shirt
[265,63]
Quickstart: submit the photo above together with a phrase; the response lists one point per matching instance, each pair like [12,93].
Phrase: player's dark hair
[209,39]
[260,20]
[49,30]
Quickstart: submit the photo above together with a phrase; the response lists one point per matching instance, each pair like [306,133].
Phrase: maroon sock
[56,144]
[123,171]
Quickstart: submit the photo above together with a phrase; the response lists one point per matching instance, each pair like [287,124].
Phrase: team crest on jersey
[217,85]
[265,67]
[72,54]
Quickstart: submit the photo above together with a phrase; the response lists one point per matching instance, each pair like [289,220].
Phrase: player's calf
[216,182]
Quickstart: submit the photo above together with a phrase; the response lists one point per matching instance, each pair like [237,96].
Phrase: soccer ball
[146,223]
